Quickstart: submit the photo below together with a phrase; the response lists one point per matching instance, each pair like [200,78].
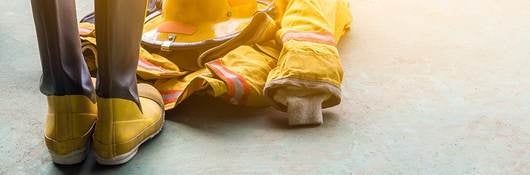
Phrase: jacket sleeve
[309,72]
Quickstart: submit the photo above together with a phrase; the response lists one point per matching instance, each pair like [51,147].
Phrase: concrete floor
[431,87]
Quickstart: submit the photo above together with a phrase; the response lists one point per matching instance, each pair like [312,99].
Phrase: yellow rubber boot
[68,127]
[122,126]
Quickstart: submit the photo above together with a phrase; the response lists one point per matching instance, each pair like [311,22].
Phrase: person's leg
[119,25]
[128,114]
[64,71]
[65,80]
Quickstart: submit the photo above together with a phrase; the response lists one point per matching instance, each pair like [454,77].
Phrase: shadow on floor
[208,115]
[201,111]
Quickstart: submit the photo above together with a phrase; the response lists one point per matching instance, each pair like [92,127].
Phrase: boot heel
[69,125]
[72,158]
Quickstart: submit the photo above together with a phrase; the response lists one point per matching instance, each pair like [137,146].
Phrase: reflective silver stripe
[317,37]
[171,96]
[237,84]
[146,65]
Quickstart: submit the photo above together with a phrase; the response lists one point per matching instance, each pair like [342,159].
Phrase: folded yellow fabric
[291,51]
[244,71]
[238,77]
[175,90]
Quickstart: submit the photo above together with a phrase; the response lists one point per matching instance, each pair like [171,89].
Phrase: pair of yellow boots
[117,126]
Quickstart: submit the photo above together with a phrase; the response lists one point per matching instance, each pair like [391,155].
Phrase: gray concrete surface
[431,87]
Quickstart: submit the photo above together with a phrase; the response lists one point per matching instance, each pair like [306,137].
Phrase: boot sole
[124,158]
[72,158]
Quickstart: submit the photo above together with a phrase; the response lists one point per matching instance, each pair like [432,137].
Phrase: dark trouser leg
[64,71]
[119,26]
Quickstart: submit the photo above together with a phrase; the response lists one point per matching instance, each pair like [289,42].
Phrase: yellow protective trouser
[238,77]
[244,71]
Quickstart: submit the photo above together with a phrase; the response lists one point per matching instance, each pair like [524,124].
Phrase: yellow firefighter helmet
[195,23]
